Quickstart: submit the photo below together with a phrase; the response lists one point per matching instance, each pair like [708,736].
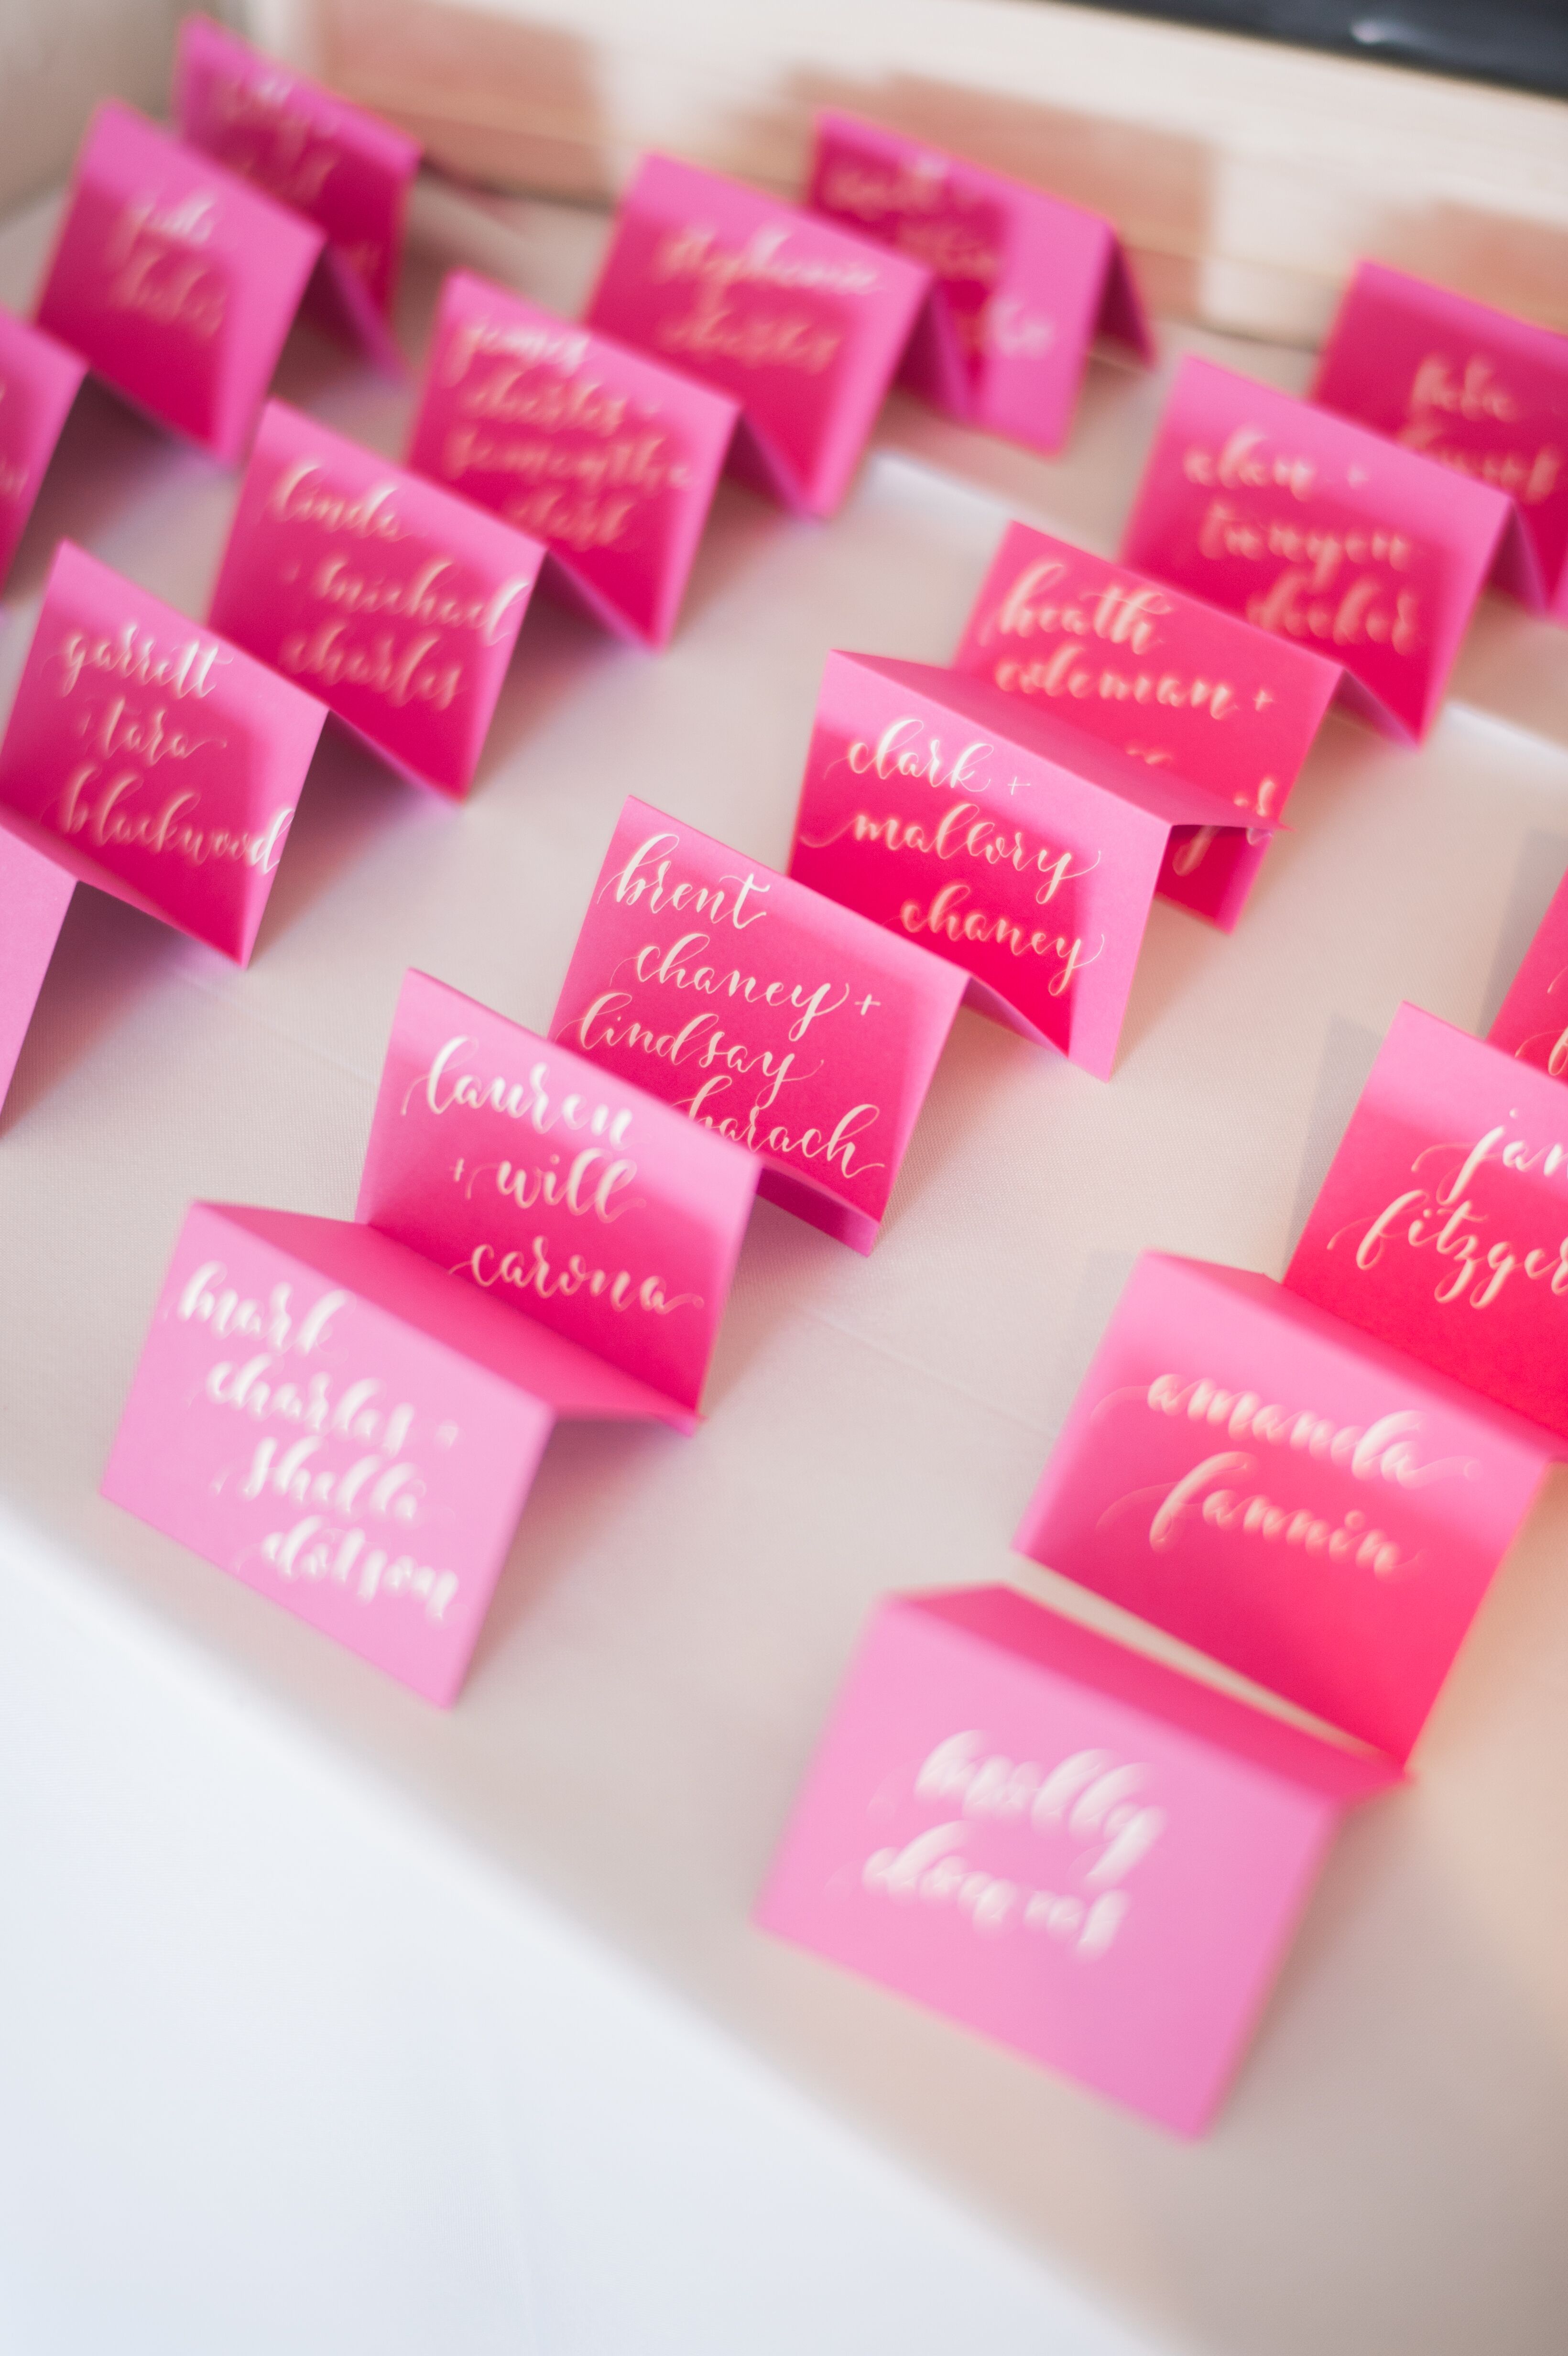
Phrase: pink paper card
[1442,1227]
[35,893]
[1021,281]
[760,1009]
[801,325]
[1167,679]
[346,170]
[1321,531]
[608,459]
[394,601]
[1320,1512]
[1532,1021]
[38,381]
[589,1206]
[1058,1842]
[1483,393]
[1022,850]
[152,758]
[175,280]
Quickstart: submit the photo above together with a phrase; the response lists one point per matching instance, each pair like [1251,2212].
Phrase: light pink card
[1322,531]
[38,381]
[1532,1021]
[1483,393]
[1022,281]
[584,1203]
[1061,1843]
[763,1010]
[607,458]
[1167,679]
[395,603]
[346,170]
[35,893]
[986,831]
[801,325]
[1318,1511]
[175,280]
[1442,1227]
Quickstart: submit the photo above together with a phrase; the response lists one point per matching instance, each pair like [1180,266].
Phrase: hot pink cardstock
[175,280]
[801,325]
[574,1199]
[1483,393]
[38,381]
[1058,1842]
[1022,281]
[1321,531]
[1532,1021]
[1442,1227]
[761,1010]
[986,831]
[35,893]
[1167,679]
[1318,1511]
[395,603]
[608,459]
[346,170]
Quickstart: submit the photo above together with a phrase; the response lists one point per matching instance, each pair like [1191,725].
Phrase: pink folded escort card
[1481,392]
[346,170]
[1533,1020]
[175,279]
[1023,851]
[773,307]
[395,603]
[1442,1227]
[38,381]
[1321,1512]
[607,458]
[1165,679]
[148,758]
[1322,531]
[763,1010]
[1023,282]
[1058,1842]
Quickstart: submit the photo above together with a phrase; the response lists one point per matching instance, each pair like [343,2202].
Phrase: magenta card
[175,280]
[1058,1842]
[1320,531]
[763,1010]
[394,601]
[1022,281]
[38,381]
[1317,1510]
[986,831]
[35,893]
[801,325]
[608,459]
[1167,679]
[586,1204]
[1483,393]
[1442,1227]
[1532,1021]
[164,763]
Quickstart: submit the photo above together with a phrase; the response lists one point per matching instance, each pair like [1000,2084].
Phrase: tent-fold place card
[1318,1510]
[1169,681]
[1022,281]
[1323,531]
[347,171]
[1061,1843]
[39,379]
[608,459]
[176,280]
[763,1010]
[978,827]
[395,603]
[775,307]
[1482,392]
[1533,1020]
